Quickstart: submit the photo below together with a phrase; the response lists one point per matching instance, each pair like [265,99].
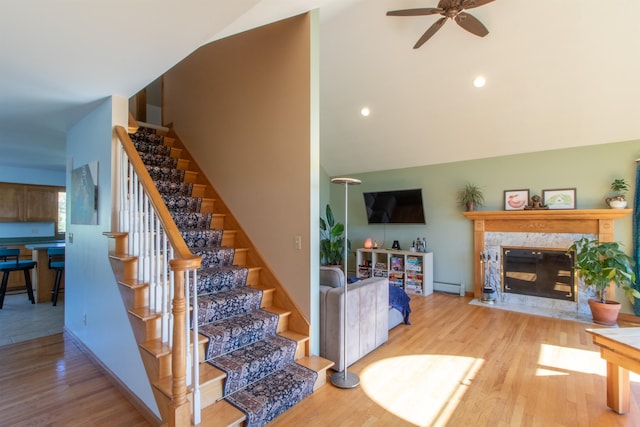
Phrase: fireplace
[549,229]
[539,272]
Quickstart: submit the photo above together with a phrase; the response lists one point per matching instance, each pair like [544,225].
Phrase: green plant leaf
[330,219]
[600,263]
[337,230]
[332,240]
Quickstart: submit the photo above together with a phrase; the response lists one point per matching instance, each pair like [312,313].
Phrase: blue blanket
[399,300]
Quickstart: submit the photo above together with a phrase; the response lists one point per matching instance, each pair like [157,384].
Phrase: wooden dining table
[620,347]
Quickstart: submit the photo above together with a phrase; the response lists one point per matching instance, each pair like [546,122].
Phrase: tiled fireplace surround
[547,229]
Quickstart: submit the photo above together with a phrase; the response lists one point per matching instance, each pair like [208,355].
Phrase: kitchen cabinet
[28,203]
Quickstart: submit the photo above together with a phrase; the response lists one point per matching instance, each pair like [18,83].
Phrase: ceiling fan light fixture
[479,81]
[365,111]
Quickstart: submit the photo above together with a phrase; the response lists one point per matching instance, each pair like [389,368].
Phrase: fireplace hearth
[539,272]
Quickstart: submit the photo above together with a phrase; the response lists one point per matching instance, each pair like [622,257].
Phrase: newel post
[179,408]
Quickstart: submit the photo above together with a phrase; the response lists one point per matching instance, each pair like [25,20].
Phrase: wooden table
[620,347]
[44,277]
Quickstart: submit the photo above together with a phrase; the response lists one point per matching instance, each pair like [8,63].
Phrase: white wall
[91,291]
[315,182]
[32,176]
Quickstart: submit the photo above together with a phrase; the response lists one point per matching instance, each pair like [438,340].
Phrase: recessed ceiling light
[479,81]
[365,111]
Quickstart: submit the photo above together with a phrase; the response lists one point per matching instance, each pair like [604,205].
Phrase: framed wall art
[562,198]
[84,194]
[515,200]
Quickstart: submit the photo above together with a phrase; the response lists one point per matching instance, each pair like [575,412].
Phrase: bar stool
[11,262]
[56,262]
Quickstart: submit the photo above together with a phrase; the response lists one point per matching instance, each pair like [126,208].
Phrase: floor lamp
[345,379]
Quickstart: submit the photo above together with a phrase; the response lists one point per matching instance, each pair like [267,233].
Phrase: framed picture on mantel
[563,198]
[515,200]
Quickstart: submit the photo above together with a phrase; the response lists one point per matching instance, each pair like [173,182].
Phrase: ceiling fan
[452,9]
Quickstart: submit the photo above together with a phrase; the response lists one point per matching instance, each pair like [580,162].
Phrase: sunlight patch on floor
[564,360]
[559,360]
[421,389]
[542,372]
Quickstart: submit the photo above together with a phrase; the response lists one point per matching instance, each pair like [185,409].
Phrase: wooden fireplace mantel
[582,221]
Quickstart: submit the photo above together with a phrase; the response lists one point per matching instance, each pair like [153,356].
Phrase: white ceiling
[560,73]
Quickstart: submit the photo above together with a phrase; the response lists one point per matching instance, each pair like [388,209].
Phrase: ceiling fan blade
[470,4]
[430,32]
[415,12]
[471,24]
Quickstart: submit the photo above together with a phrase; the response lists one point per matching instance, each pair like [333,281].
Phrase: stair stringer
[135,297]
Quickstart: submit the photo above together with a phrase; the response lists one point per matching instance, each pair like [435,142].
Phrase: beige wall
[242,107]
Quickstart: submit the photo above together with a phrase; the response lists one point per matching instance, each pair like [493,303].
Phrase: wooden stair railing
[178,395]
[180,413]
[154,238]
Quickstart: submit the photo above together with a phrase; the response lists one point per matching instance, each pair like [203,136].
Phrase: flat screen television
[395,207]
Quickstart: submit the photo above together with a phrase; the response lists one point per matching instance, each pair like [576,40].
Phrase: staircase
[251,339]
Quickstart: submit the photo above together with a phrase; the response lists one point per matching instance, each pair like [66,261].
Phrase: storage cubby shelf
[411,271]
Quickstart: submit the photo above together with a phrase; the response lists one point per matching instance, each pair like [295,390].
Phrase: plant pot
[616,203]
[604,313]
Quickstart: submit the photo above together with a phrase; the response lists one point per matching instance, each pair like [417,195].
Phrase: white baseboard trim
[450,288]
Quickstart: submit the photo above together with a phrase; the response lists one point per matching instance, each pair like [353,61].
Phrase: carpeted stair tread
[174,188]
[192,220]
[151,147]
[202,238]
[262,379]
[158,160]
[224,304]
[221,279]
[148,135]
[248,364]
[272,395]
[236,332]
[158,173]
[215,257]
[176,203]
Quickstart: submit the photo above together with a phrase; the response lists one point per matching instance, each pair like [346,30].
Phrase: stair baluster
[167,265]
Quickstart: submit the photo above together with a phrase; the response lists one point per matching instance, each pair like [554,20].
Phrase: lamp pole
[345,379]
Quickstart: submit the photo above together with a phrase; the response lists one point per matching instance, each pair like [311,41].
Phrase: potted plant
[470,197]
[599,264]
[332,240]
[620,187]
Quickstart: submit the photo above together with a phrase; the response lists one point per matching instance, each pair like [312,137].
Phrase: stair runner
[262,378]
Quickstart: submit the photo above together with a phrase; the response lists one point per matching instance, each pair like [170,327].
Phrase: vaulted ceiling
[559,73]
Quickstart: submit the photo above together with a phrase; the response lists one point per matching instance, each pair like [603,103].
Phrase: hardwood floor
[464,365]
[456,365]
[49,381]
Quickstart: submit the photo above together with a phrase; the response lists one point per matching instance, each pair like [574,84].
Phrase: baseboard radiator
[450,288]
